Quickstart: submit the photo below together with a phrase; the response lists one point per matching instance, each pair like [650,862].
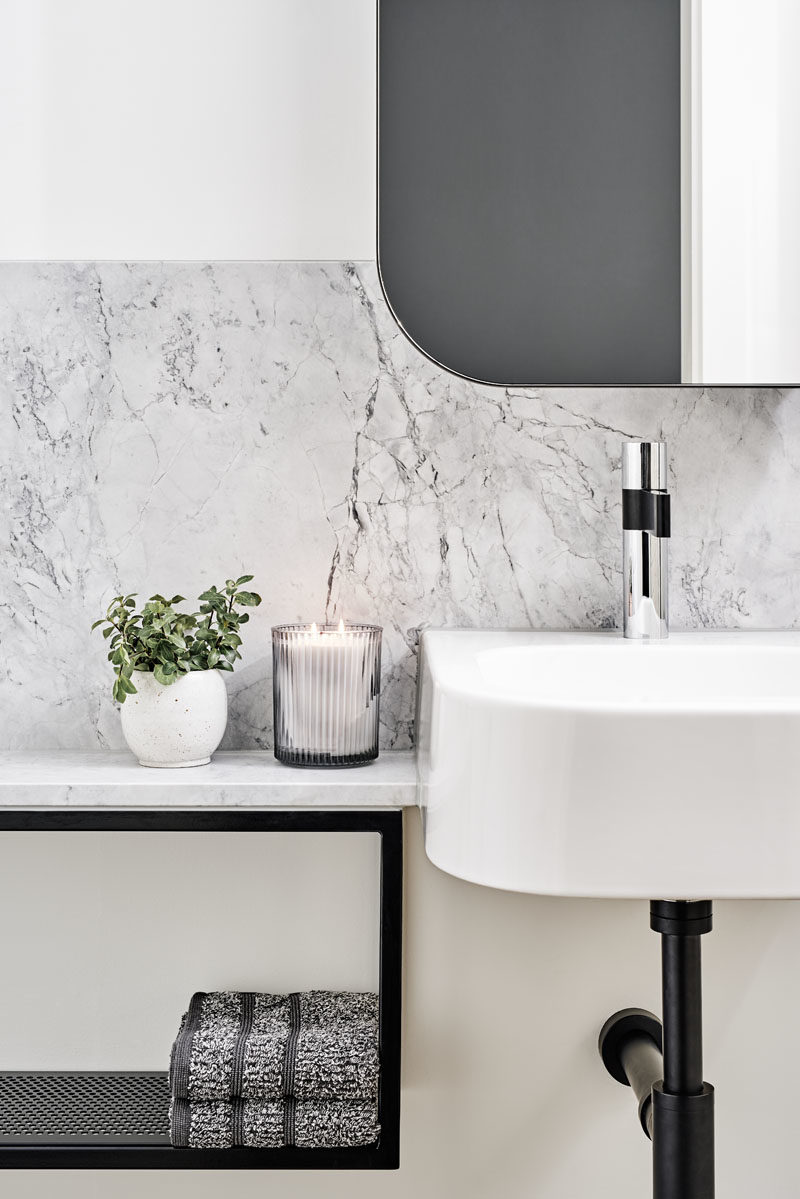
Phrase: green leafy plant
[170,644]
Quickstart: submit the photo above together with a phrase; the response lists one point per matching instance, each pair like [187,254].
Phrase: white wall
[187,129]
[117,931]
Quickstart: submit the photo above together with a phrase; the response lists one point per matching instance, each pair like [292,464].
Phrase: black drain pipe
[664,1064]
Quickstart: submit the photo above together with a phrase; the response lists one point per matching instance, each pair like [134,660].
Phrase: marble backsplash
[167,425]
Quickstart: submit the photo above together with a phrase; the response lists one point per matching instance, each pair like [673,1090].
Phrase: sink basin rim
[465,678]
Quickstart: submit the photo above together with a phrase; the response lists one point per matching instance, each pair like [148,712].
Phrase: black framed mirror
[564,199]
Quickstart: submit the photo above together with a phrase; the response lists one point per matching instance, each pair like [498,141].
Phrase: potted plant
[167,668]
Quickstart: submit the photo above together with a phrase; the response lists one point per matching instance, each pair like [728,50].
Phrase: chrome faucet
[645,539]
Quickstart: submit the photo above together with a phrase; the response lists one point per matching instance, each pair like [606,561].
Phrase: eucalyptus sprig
[169,644]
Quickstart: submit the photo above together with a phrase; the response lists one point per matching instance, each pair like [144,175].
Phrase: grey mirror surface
[530,186]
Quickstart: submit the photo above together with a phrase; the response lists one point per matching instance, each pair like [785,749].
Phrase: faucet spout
[645,540]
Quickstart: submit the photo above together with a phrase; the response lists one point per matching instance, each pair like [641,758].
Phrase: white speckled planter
[174,726]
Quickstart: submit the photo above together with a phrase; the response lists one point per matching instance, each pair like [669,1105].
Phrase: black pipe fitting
[664,1063]
[630,1046]
[683,1144]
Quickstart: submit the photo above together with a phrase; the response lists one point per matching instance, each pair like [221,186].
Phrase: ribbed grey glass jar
[326,686]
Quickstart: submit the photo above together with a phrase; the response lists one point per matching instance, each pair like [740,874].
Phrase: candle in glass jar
[326,693]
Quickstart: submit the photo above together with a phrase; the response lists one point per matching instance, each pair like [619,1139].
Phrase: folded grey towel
[268,1124]
[242,1045]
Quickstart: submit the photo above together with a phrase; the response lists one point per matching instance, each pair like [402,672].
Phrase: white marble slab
[233,779]
[166,425]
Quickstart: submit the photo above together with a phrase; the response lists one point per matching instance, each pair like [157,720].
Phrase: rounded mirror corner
[415,337]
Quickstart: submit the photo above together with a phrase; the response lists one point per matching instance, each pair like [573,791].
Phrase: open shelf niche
[120,1119]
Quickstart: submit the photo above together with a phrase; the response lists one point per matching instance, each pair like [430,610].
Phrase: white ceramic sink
[584,764]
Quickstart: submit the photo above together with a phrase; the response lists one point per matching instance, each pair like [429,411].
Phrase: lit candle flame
[315,634]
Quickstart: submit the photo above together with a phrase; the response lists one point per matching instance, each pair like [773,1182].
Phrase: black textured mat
[87,1107]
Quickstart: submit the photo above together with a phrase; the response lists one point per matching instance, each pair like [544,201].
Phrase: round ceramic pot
[180,725]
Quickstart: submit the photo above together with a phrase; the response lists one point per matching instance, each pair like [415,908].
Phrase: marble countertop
[233,779]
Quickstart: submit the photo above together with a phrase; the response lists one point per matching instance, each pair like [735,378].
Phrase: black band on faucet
[646,510]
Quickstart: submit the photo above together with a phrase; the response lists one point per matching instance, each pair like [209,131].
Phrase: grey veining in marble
[166,425]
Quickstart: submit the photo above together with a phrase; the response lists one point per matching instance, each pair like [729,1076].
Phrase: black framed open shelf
[119,1119]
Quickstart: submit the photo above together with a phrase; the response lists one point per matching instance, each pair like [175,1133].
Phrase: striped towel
[271,1124]
[265,1070]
